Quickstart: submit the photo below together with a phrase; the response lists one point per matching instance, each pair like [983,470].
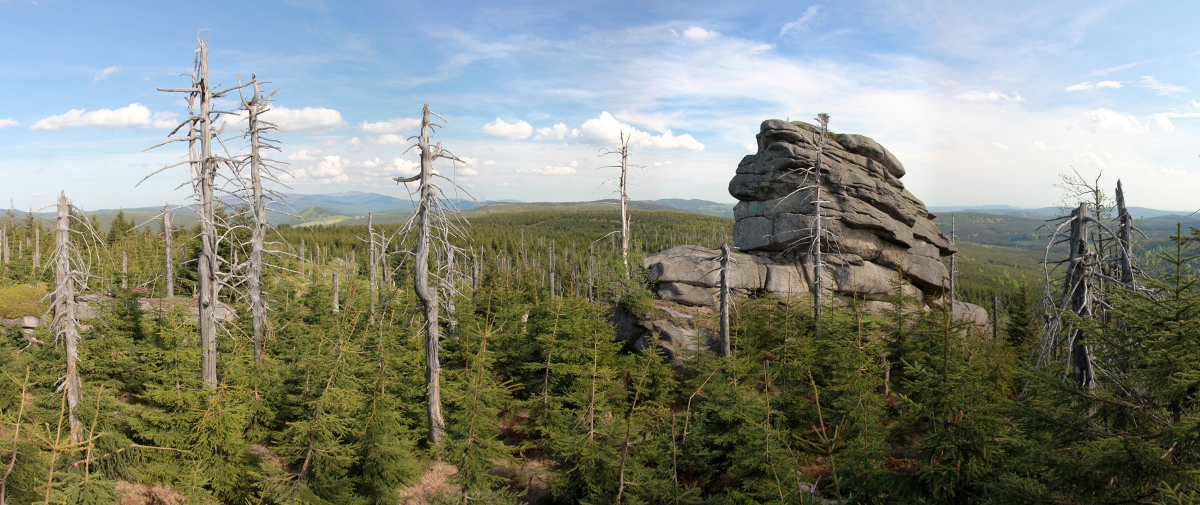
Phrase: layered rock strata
[874,220]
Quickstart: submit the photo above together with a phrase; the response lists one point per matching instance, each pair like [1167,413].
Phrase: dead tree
[623,187]
[816,237]
[256,127]
[124,270]
[334,282]
[70,277]
[725,346]
[372,258]
[953,264]
[65,324]
[201,134]
[434,224]
[818,277]
[1099,259]
[37,247]
[170,262]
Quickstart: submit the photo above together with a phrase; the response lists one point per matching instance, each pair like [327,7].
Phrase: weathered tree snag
[254,107]
[725,345]
[818,277]
[953,264]
[170,262]
[623,152]
[371,257]
[64,310]
[425,214]
[37,248]
[334,282]
[1079,288]
[124,270]
[995,316]
[1124,237]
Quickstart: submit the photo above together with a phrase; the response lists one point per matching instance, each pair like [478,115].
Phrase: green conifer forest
[543,404]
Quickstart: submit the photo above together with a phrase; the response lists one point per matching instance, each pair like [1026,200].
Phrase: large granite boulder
[691,275]
[873,217]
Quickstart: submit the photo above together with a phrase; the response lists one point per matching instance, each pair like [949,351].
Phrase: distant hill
[353,207]
[699,206]
[1009,210]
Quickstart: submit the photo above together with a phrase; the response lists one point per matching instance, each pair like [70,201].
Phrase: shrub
[21,300]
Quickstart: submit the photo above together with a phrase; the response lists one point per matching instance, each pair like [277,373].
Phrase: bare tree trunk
[64,311]
[995,316]
[124,270]
[1079,286]
[335,292]
[37,248]
[451,287]
[1124,237]
[371,257]
[428,296]
[206,266]
[258,305]
[725,345]
[170,262]
[818,273]
[953,265]
[624,204]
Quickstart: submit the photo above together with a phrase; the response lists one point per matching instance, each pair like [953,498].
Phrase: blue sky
[984,103]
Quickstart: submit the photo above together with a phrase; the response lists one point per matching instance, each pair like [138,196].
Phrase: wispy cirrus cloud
[988,96]
[105,73]
[1162,88]
[797,26]
[1084,86]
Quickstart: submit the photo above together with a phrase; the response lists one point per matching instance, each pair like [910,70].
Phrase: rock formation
[881,230]
[878,223]
[884,239]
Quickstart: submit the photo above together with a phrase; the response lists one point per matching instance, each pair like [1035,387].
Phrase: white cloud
[1084,86]
[306,119]
[135,115]
[6,123]
[798,25]
[567,169]
[1104,120]
[1037,144]
[662,163]
[304,155]
[330,166]
[396,166]
[697,33]
[489,163]
[1162,88]
[395,125]
[607,130]
[556,132]
[988,96]
[510,131]
[355,145]
[390,139]
[329,143]
[468,171]
[1001,146]
[105,73]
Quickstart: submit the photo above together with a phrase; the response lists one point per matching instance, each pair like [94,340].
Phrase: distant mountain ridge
[1009,210]
[350,206]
